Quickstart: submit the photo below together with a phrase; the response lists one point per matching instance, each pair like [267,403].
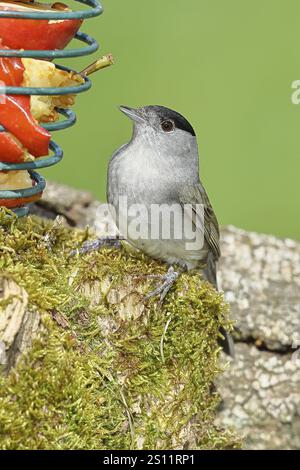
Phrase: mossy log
[87,363]
[260,277]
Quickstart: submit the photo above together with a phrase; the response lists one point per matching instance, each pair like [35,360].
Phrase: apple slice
[18,33]
[41,73]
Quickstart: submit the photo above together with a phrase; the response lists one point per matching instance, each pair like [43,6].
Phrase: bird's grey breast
[149,174]
[136,173]
[149,177]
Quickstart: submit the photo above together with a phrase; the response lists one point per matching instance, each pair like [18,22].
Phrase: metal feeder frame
[39,183]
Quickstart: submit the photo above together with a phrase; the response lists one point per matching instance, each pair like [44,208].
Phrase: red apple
[17,33]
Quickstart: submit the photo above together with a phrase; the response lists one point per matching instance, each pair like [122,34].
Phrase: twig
[101,63]
[130,419]
[163,338]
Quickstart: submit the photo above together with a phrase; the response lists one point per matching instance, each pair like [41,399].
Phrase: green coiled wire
[69,120]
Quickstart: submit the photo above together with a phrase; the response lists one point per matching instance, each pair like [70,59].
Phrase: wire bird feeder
[91,45]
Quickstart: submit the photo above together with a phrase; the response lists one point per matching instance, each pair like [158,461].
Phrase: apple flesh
[17,33]
[14,180]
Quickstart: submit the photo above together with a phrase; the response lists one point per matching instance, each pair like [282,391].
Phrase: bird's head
[162,129]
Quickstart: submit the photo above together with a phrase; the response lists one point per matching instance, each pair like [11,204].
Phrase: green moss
[116,373]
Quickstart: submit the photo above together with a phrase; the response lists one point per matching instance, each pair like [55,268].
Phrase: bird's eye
[167,126]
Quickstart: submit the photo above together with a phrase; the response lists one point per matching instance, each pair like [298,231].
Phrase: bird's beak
[134,114]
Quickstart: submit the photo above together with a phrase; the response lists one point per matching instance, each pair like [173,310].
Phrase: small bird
[160,166]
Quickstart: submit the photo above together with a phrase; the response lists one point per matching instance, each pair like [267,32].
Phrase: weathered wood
[18,325]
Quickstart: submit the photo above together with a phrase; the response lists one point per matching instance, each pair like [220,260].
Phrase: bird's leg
[94,245]
[167,281]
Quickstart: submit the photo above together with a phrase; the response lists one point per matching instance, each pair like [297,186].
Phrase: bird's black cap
[179,120]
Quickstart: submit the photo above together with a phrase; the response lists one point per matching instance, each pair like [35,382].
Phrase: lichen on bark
[100,367]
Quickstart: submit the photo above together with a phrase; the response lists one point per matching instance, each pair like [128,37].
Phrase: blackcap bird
[157,173]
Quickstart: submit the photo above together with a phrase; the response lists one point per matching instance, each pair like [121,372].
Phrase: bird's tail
[210,274]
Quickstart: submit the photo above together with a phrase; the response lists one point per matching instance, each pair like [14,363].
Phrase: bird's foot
[167,282]
[94,245]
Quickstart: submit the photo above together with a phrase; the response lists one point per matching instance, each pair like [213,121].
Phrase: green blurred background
[228,67]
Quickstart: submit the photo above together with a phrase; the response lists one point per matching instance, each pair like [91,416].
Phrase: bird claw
[94,245]
[168,281]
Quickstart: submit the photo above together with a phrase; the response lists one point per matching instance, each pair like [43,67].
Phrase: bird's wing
[196,194]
